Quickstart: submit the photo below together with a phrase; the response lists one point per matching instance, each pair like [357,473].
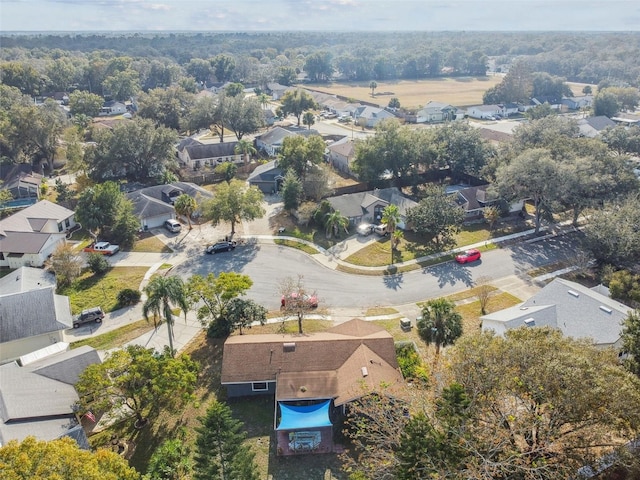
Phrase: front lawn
[91,290]
[116,338]
[147,242]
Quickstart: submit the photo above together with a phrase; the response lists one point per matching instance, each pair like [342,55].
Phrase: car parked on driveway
[365,229]
[468,256]
[90,315]
[221,247]
[172,225]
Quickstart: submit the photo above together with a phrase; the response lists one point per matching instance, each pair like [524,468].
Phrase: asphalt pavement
[190,243]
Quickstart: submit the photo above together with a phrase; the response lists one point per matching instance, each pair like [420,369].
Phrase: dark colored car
[468,256]
[221,247]
[90,315]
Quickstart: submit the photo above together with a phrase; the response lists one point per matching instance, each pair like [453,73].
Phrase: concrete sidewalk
[185,331]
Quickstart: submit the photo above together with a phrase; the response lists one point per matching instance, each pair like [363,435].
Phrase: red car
[468,256]
[312,300]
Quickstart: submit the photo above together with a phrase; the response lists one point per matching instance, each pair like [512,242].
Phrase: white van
[381,229]
[172,225]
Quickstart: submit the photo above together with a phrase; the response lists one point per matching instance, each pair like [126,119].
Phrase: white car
[365,229]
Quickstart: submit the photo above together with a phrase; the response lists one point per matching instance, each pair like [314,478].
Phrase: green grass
[101,290]
[297,245]
[147,242]
[372,312]
[471,311]
[116,338]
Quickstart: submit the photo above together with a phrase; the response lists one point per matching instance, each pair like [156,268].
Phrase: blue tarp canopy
[306,416]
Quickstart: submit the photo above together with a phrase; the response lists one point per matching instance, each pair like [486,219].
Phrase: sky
[318,15]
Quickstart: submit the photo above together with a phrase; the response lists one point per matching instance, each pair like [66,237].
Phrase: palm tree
[391,217]
[246,148]
[440,323]
[334,221]
[309,119]
[263,98]
[162,293]
[396,236]
[373,85]
[185,205]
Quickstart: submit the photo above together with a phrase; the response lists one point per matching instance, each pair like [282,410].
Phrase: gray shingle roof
[577,311]
[34,217]
[211,150]
[265,173]
[37,399]
[31,313]
[26,278]
[358,204]
[24,242]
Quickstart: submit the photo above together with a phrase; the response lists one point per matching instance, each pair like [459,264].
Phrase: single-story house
[371,116]
[474,200]
[153,205]
[484,111]
[367,207]
[113,107]
[38,395]
[576,103]
[32,315]
[554,102]
[509,109]
[194,154]
[435,112]
[575,310]
[592,126]
[267,177]
[312,377]
[271,142]
[30,236]
[24,185]
[342,154]
[276,90]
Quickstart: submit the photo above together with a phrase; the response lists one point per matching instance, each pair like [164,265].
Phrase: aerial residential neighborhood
[283,254]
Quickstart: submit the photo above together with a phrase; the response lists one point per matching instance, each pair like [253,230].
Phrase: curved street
[341,295]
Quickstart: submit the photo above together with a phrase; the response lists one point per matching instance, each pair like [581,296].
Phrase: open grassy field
[456,91]
[462,91]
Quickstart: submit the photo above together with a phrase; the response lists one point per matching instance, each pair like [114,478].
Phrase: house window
[259,386]
[60,227]
[67,223]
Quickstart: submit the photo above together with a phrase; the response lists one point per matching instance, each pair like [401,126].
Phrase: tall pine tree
[220,452]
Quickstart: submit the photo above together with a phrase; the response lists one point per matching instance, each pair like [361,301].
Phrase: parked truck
[104,248]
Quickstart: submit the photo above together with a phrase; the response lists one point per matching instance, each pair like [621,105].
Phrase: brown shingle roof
[327,364]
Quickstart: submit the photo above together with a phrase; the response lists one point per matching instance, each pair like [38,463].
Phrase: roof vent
[530,322]
[365,372]
[289,346]
[573,293]
[605,309]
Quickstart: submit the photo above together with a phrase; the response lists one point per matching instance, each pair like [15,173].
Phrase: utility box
[405,324]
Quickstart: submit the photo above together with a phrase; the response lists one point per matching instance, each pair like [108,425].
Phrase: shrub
[410,363]
[128,296]
[97,263]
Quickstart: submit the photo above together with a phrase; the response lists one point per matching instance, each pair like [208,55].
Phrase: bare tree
[296,299]
[483,291]
[66,264]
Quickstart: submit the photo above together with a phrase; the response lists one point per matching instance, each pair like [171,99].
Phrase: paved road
[268,264]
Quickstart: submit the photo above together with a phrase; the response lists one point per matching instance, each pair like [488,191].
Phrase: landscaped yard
[116,338]
[101,290]
[257,412]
